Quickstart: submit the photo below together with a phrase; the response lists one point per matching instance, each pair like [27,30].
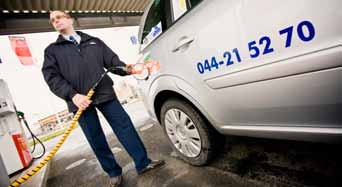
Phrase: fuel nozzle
[118,68]
[139,70]
[20,114]
[130,69]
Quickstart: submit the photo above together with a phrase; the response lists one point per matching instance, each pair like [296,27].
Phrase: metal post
[4,180]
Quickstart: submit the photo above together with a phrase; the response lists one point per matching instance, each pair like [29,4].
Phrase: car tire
[209,141]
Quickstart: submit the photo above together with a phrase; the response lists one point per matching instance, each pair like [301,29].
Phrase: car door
[243,65]
[247,66]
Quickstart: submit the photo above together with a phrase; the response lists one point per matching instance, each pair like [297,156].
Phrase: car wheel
[194,140]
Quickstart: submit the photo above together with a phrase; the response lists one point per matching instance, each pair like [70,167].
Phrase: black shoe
[115,181]
[153,165]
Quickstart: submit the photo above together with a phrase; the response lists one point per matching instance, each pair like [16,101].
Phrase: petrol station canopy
[29,16]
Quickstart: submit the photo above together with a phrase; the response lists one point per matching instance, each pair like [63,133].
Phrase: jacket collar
[84,37]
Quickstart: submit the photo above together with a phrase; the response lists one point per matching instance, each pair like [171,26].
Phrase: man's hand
[129,68]
[81,101]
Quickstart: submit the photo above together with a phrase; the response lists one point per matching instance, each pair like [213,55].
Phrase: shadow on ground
[281,162]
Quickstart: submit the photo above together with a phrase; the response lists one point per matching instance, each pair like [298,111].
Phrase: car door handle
[183,41]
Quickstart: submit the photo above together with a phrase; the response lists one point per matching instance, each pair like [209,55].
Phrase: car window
[162,15]
[157,21]
[193,3]
[180,7]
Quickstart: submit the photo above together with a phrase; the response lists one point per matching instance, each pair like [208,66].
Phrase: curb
[40,179]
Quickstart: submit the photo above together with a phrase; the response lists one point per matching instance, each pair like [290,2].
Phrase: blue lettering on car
[260,47]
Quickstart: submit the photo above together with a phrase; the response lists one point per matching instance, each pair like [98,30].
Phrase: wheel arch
[164,95]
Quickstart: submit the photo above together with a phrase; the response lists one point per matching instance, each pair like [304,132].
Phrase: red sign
[21,49]
[23,150]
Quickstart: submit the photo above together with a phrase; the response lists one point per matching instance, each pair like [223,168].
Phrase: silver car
[266,69]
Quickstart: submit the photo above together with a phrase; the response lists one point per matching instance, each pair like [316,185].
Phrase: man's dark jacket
[69,69]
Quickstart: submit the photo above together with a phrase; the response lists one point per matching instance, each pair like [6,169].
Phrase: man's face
[60,21]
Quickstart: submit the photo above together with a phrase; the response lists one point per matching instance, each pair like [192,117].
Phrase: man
[71,66]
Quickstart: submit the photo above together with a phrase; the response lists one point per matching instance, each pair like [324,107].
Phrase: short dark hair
[64,12]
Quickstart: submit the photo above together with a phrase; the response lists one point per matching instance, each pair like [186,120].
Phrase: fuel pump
[14,148]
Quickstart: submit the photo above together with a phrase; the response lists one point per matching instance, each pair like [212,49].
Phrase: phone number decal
[260,47]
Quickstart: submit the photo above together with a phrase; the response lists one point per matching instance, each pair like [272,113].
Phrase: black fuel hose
[33,136]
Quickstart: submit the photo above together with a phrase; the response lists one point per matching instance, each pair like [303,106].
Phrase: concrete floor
[76,165]
[242,162]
